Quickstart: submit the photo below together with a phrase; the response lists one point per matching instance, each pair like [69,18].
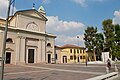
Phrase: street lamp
[4,42]
[78,40]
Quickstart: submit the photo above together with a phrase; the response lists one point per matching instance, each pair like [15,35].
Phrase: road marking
[65,70]
[77,65]
[25,72]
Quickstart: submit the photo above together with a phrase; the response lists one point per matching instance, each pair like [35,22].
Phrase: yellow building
[72,54]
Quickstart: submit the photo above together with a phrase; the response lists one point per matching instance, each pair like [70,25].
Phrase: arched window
[32,26]
[48,45]
[9,40]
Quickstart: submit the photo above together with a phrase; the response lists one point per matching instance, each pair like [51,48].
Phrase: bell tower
[41,10]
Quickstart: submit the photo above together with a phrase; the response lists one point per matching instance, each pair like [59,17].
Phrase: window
[83,57]
[32,26]
[80,51]
[74,51]
[80,57]
[48,45]
[74,57]
[56,56]
[83,51]
[71,57]
[9,40]
[77,50]
[92,57]
[70,50]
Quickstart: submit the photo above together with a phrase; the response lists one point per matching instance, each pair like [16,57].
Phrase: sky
[68,19]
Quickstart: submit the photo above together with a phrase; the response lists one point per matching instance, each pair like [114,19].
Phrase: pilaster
[18,44]
[39,53]
[22,49]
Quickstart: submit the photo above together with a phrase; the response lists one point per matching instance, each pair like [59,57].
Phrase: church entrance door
[31,55]
[49,58]
[8,57]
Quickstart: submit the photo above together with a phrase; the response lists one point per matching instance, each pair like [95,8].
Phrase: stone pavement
[53,71]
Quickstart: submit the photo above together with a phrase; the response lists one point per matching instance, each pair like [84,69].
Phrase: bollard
[116,69]
[107,70]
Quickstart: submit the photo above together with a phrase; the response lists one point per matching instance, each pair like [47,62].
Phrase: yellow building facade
[72,54]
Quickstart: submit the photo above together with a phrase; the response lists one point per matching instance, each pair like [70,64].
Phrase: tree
[99,45]
[89,37]
[94,41]
[108,30]
[116,52]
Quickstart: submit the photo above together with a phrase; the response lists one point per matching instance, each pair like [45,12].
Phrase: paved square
[53,71]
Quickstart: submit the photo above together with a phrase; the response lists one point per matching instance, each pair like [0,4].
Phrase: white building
[27,40]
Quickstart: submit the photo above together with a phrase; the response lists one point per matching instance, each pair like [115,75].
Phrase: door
[64,59]
[78,59]
[8,57]
[49,58]
[31,55]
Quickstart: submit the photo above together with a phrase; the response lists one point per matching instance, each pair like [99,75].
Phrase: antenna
[33,6]
[13,2]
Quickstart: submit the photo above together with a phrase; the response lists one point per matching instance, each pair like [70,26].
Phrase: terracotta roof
[57,46]
[2,19]
[71,46]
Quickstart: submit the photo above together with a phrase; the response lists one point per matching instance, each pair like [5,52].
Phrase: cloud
[81,2]
[63,39]
[98,0]
[4,8]
[46,2]
[116,19]
[60,26]
[66,32]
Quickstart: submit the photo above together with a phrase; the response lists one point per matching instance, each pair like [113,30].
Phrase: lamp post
[86,59]
[78,40]
[4,42]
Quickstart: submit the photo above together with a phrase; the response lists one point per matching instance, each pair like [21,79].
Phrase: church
[27,40]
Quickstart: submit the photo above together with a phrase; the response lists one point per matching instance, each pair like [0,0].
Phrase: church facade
[27,39]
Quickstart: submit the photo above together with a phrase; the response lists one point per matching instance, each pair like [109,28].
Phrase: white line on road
[77,65]
[64,70]
[25,72]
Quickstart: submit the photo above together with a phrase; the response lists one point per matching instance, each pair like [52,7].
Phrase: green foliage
[108,29]
[108,41]
[116,52]
[117,34]
[99,43]
[89,37]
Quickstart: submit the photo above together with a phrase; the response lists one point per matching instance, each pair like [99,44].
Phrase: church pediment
[32,13]
[9,49]
[49,51]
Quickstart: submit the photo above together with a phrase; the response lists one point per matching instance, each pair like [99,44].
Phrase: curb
[108,76]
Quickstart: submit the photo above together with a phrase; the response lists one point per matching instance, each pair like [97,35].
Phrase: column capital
[41,39]
[21,37]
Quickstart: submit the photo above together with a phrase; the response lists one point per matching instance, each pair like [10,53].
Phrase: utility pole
[4,42]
